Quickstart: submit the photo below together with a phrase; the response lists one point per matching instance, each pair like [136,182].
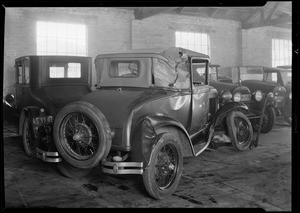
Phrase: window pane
[60,38]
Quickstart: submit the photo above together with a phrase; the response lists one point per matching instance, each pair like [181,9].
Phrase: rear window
[124,69]
[64,70]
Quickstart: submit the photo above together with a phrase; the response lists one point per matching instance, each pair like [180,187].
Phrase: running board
[199,147]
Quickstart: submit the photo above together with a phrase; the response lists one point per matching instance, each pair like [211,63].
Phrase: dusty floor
[258,178]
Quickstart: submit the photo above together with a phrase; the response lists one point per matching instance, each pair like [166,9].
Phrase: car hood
[220,86]
[254,85]
[117,104]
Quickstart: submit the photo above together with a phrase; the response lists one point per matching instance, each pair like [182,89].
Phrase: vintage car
[147,113]
[240,93]
[43,85]
[272,81]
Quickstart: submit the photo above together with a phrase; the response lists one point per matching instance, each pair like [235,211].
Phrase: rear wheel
[28,138]
[82,135]
[162,176]
[240,130]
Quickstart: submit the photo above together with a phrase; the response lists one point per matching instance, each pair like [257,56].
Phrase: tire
[239,129]
[82,135]
[28,138]
[169,172]
[268,120]
[72,172]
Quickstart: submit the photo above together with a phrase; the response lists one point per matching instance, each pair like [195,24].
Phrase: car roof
[163,53]
[54,56]
[269,69]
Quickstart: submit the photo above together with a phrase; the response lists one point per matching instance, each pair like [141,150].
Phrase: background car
[43,85]
[240,93]
[263,78]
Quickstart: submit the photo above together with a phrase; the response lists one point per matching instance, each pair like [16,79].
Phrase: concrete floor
[258,178]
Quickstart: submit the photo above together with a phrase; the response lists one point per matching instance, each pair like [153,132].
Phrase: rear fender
[149,130]
[30,112]
[224,110]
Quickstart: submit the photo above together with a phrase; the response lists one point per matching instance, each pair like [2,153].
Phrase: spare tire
[82,135]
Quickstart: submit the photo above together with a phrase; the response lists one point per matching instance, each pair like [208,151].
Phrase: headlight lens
[271,94]
[226,95]
[237,97]
[290,95]
[258,95]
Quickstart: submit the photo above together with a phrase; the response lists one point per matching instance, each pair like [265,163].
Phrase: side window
[124,69]
[19,73]
[199,72]
[26,74]
[64,70]
[271,77]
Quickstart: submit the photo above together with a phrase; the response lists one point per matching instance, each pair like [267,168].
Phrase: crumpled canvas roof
[170,53]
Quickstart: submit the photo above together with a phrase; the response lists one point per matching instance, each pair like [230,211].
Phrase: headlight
[226,95]
[258,95]
[237,97]
[290,95]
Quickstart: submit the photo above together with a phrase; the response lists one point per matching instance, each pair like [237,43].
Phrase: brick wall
[159,30]
[113,29]
[257,44]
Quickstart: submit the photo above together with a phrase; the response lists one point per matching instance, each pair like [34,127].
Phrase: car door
[22,81]
[200,96]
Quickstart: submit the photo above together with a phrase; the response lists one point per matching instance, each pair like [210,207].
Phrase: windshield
[286,77]
[251,73]
[213,73]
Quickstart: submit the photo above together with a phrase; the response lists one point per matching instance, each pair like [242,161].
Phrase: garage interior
[221,178]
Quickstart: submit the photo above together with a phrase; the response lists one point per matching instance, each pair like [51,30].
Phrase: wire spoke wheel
[239,129]
[28,138]
[166,165]
[79,136]
[162,175]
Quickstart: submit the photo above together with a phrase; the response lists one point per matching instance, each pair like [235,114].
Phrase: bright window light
[281,52]
[198,42]
[61,39]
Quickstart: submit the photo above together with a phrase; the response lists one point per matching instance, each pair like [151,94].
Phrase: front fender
[227,108]
[147,133]
[30,111]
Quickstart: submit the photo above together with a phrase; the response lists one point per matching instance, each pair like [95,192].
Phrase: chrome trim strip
[121,167]
[51,157]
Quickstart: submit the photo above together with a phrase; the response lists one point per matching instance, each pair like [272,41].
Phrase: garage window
[198,42]
[281,52]
[61,39]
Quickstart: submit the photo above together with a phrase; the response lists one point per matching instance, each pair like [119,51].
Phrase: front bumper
[112,167]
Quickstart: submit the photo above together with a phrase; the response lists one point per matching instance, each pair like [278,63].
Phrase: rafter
[270,22]
[213,12]
[252,14]
[151,11]
[276,4]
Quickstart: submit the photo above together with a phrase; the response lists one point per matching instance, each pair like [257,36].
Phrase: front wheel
[28,138]
[162,176]
[269,119]
[240,130]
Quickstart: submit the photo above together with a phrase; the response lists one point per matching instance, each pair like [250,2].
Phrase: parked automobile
[147,113]
[240,93]
[43,85]
[268,80]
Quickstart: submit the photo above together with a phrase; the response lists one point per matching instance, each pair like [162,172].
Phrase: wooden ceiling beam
[276,4]
[270,22]
[252,14]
